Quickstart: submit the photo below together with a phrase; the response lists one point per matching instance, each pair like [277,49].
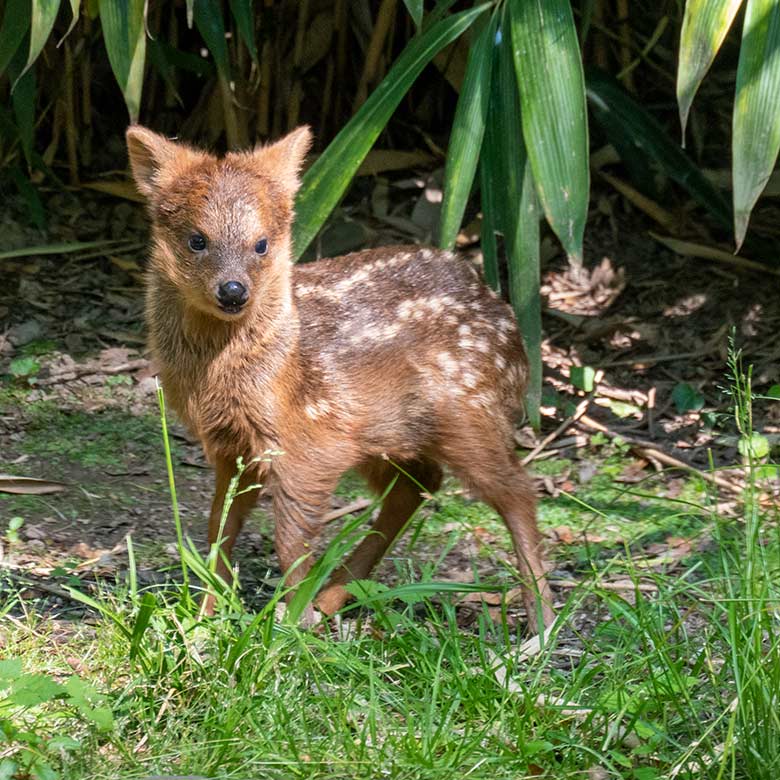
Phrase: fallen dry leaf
[29,486]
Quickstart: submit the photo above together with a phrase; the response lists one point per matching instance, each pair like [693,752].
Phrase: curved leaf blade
[511,194]
[208,20]
[468,129]
[756,121]
[415,9]
[704,27]
[44,13]
[326,181]
[552,96]
[243,14]
[627,123]
[16,22]
[124,35]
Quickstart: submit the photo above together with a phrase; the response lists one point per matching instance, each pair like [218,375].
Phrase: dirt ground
[78,401]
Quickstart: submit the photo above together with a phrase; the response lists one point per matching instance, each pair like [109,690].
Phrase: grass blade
[756,122]
[509,185]
[704,28]
[56,249]
[124,35]
[552,95]
[326,181]
[468,129]
[16,22]
[626,122]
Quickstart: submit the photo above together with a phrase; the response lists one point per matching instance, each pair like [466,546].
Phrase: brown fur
[398,354]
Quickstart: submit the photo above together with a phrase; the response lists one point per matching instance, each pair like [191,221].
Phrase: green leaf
[31,689]
[704,27]
[16,22]
[582,377]
[508,186]
[415,9]
[24,366]
[8,769]
[10,668]
[124,35]
[686,398]
[620,115]
[756,122]
[23,100]
[468,129]
[326,181]
[243,14]
[208,20]
[754,446]
[773,392]
[75,5]
[552,95]
[44,14]
[29,193]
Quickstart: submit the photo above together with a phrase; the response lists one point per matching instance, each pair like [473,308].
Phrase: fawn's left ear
[150,153]
[283,160]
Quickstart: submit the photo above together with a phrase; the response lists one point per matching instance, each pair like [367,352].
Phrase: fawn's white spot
[482,345]
[500,362]
[447,363]
[470,380]
[466,343]
[464,330]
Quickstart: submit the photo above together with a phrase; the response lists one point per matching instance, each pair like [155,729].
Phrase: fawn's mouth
[231,308]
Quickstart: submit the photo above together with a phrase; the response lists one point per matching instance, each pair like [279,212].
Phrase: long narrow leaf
[23,100]
[626,122]
[509,179]
[124,35]
[704,27]
[16,22]
[208,20]
[44,13]
[326,181]
[75,5]
[468,128]
[756,123]
[243,13]
[415,9]
[552,96]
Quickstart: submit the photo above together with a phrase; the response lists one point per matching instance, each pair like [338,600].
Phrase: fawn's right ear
[149,154]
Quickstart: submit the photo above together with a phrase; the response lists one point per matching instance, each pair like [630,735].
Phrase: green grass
[679,681]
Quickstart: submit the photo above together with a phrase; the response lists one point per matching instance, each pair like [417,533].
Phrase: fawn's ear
[150,153]
[283,160]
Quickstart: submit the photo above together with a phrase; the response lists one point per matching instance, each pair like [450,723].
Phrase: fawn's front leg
[240,507]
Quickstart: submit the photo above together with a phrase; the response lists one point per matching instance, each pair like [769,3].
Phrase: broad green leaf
[31,689]
[243,13]
[582,377]
[753,446]
[23,100]
[686,398]
[44,13]
[508,183]
[468,129]
[208,20]
[16,22]
[10,668]
[490,221]
[555,128]
[325,182]
[415,9]
[756,122]
[704,28]
[124,35]
[626,122]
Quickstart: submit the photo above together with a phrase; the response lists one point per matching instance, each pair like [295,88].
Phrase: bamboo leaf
[468,129]
[23,100]
[415,9]
[325,182]
[124,34]
[627,123]
[75,5]
[243,14]
[704,27]
[552,95]
[509,186]
[44,13]
[16,22]
[756,121]
[208,20]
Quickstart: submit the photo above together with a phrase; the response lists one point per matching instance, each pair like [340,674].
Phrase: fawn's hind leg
[490,467]
[398,506]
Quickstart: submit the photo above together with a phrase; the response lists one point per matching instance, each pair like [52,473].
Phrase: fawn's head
[222,226]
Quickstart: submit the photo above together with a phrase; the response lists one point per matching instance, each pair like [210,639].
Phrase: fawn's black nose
[232,295]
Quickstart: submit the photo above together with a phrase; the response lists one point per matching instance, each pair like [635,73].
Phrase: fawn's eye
[261,247]
[197,242]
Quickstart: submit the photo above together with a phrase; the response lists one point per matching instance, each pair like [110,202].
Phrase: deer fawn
[391,355]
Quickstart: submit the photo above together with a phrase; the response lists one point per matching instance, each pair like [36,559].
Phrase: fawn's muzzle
[232,296]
